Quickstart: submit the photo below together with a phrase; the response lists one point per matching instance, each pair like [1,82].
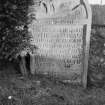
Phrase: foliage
[97,58]
[14,36]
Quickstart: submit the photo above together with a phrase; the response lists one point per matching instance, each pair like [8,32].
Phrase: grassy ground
[41,90]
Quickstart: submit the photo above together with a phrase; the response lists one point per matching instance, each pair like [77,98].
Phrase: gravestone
[61,31]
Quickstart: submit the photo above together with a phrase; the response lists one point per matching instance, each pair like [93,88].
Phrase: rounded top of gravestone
[54,9]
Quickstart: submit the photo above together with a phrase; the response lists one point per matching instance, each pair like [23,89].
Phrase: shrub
[14,35]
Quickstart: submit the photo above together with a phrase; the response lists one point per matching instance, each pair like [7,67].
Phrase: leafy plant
[14,35]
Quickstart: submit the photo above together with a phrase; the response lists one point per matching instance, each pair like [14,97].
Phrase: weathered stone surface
[61,31]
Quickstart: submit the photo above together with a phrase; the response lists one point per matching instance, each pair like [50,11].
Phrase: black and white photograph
[52,52]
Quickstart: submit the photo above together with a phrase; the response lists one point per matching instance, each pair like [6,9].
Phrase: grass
[41,90]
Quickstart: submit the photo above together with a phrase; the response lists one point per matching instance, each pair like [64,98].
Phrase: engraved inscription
[59,41]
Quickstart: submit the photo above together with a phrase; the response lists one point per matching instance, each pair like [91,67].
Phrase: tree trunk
[23,66]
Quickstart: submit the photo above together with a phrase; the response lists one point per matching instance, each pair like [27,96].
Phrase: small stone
[102,60]
[38,82]
[3,38]
[14,7]
[10,97]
